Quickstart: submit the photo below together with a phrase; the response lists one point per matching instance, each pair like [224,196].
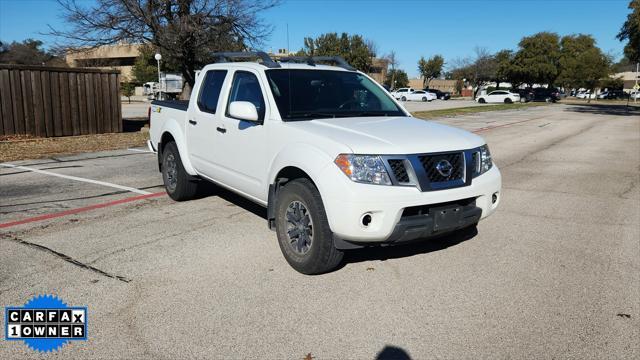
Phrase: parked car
[526,95]
[499,96]
[545,94]
[442,95]
[634,95]
[418,95]
[399,93]
[585,95]
[340,165]
[613,94]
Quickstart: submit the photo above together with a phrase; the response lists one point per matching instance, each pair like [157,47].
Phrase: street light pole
[158,57]
[635,98]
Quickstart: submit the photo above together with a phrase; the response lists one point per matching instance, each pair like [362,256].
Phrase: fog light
[366,220]
[494,198]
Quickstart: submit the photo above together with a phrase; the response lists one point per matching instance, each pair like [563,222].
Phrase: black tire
[424,99]
[403,99]
[482,100]
[508,101]
[320,256]
[178,184]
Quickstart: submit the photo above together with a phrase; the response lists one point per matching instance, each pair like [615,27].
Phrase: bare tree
[186,32]
[393,62]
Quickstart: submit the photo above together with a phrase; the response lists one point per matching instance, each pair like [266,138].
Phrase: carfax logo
[45,323]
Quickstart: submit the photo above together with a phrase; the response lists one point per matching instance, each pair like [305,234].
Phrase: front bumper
[346,202]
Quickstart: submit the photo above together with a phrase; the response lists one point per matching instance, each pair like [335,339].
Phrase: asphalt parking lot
[139,109]
[554,273]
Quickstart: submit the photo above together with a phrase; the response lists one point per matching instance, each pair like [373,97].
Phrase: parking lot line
[91,181]
[81,209]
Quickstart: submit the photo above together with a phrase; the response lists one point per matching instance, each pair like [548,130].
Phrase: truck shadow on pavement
[417,247]
[380,253]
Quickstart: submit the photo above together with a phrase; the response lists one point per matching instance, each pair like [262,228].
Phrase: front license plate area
[445,218]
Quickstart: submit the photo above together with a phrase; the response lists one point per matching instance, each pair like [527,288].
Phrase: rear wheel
[403,98]
[179,185]
[424,99]
[304,236]
[508,101]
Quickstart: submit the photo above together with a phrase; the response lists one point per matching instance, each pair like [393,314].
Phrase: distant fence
[48,101]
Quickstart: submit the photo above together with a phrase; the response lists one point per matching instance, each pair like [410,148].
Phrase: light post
[158,57]
[635,98]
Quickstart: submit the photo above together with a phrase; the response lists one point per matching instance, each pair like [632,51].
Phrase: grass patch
[21,148]
[432,114]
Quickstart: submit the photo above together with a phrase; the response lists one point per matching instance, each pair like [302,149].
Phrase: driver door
[243,144]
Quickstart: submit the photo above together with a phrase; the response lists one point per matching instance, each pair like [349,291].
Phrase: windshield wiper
[307,115]
[369,113]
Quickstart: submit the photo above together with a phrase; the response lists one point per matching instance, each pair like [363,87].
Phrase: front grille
[399,170]
[430,163]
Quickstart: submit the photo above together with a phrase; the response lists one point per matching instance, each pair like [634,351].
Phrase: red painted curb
[79,210]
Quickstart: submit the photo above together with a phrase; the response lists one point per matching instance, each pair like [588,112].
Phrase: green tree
[582,63]
[430,69]
[536,61]
[505,71]
[630,31]
[398,76]
[127,90]
[353,48]
[28,52]
[145,68]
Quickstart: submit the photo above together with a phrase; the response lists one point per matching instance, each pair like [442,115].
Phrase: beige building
[118,57]
[629,78]
[437,84]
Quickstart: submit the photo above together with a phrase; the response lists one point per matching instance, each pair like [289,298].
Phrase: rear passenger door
[204,119]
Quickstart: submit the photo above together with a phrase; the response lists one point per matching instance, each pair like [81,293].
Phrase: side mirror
[243,110]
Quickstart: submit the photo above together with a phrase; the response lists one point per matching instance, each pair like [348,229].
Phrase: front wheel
[424,99]
[177,182]
[304,235]
[482,100]
[403,98]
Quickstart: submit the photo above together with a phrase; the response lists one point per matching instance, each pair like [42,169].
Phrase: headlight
[363,168]
[483,160]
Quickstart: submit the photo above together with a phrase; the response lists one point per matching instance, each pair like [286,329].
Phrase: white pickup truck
[338,163]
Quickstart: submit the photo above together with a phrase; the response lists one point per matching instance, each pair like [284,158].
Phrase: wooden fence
[48,101]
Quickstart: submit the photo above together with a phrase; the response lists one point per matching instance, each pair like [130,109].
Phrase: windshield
[311,94]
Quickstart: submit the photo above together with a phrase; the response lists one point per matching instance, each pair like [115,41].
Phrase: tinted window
[418,92]
[247,88]
[312,94]
[210,90]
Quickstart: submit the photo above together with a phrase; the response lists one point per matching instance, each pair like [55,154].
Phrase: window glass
[247,88]
[210,90]
[311,94]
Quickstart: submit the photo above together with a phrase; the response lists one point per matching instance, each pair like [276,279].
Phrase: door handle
[222,130]
[192,122]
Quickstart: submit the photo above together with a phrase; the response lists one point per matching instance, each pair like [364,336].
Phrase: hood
[391,135]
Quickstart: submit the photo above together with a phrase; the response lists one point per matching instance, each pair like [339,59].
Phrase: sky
[411,28]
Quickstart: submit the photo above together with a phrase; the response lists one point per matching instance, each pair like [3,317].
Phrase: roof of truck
[283,65]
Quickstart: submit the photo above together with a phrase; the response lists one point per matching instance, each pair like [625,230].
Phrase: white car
[419,95]
[585,95]
[399,93]
[634,95]
[339,165]
[499,96]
